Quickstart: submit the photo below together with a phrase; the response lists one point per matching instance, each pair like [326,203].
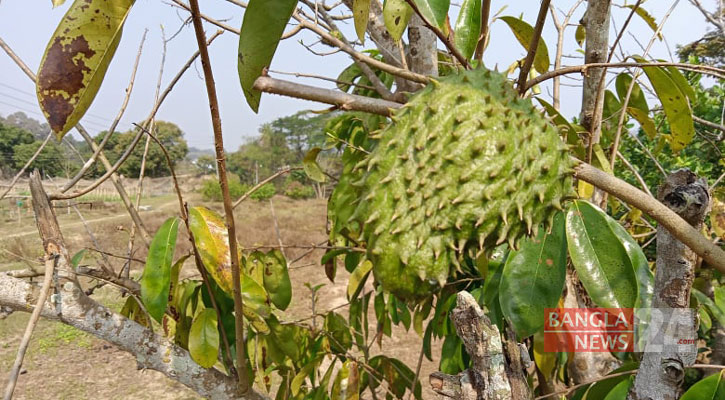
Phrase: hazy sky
[27,30]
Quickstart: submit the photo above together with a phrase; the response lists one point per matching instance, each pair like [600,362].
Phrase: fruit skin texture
[466,165]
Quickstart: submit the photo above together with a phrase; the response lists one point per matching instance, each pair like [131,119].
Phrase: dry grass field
[94,369]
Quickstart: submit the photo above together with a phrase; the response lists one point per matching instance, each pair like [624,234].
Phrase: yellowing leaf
[585,190]
[358,278]
[524,33]
[674,101]
[361,13]
[580,35]
[312,169]
[57,3]
[717,215]
[76,59]
[212,241]
[647,18]
[545,362]
[396,14]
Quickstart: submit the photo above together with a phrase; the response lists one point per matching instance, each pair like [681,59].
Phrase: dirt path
[72,225]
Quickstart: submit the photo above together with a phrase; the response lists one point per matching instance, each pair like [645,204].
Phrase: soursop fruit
[465,166]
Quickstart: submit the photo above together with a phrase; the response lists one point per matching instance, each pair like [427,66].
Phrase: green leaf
[674,101]
[77,258]
[644,275]
[262,27]
[156,278]
[647,124]
[276,279]
[599,257]
[204,338]
[681,83]
[710,388]
[291,339]
[396,14]
[348,75]
[308,369]
[491,293]
[580,35]
[716,311]
[452,355]
[533,279]
[600,389]
[646,17]
[436,11]
[312,169]
[358,278]
[339,333]
[619,392]
[361,13]
[468,27]
[256,306]
[212,240]
[636,98]
[76,60]
[524,33]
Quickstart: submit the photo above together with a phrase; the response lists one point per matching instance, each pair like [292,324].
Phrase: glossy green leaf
[619,392]
[357,279]
[524,33]
[156,278]
[468,27]
[533,279]
[76,60]
[262,28]
[674,101]
[347,382]
[77,258]
[580,35]
[396,14]
[710,388]
[361,14]
[276,279]
[436,11]
[600,259]
[212,240]
[204,338]
[644,275]
[312,169]
[491,293]
[452,355]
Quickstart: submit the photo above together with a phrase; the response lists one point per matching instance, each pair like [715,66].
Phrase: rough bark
[422,51]
[71,306]
[489,376]
[596,23]
[661,372]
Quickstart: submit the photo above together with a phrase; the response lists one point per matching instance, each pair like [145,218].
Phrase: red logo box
[589,330]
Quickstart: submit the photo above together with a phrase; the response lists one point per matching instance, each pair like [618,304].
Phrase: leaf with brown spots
[717,215]
[396,14]
[76,59]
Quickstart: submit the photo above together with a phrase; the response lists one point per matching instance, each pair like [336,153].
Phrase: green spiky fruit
[466,165]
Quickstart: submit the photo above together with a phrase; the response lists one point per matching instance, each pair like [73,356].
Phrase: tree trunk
[662,369]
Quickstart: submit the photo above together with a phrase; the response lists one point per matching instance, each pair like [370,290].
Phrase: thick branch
[596,22]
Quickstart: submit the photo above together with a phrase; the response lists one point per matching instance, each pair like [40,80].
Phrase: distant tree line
[21,136]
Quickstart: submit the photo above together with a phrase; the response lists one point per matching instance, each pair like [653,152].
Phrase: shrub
[211,189]
[296,190]
[265,192]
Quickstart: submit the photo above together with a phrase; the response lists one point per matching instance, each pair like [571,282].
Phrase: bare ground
[63,363]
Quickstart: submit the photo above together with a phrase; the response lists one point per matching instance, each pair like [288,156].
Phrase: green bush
[296,190]
[265,192]
[211,189]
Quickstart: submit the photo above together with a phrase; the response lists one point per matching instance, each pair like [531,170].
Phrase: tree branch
[243,383]
[533,46]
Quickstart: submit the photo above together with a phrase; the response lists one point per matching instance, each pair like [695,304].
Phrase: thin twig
[264,182]
[25,341]
[228,210]
[533,46]
[483,35]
